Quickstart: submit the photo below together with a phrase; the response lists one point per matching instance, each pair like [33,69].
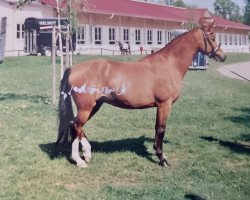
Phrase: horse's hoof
[87,159]
[82,164]
[164,163]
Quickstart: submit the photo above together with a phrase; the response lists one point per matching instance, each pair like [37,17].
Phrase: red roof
[230,24]
[135,9]
[151,11]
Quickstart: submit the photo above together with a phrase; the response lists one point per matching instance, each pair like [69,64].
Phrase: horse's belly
[131,102]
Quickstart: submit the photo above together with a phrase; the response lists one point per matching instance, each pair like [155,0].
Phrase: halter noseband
[213,54]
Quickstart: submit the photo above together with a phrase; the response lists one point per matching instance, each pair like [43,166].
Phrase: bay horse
[153,81]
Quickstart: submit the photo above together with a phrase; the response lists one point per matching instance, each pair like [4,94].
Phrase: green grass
[207,144]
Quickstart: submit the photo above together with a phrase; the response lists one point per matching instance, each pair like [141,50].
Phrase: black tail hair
[65,112]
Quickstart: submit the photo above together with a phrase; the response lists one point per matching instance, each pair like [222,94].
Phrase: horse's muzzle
[218,55]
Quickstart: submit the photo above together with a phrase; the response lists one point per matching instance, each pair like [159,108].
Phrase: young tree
[247,13]
[21,3]
[165,2]
[228,10]
[179,3]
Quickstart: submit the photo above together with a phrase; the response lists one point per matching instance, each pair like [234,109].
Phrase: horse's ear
[210,26]
[207,22]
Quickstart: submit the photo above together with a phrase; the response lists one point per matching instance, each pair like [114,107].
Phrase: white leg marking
[86,149]
[75,154]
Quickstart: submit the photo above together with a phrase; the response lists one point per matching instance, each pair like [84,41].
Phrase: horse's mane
[168,45]
[172,41]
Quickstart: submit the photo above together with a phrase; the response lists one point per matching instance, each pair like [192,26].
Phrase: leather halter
[213,53]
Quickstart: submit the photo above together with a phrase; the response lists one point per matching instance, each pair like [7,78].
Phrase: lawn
[207,144]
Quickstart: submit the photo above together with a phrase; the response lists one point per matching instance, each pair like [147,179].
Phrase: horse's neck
[181,51]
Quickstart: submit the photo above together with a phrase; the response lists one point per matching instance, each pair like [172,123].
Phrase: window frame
[159,36]
[111,35]
[126,35]
[149,36]
[81,35]
[168,36]
[98,35]
[220,39]
[225,39]
[137,36]
[20,31]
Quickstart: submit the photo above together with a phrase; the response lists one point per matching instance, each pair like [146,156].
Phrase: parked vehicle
[38,35]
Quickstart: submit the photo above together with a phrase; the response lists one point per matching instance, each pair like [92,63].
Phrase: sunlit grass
[207,143]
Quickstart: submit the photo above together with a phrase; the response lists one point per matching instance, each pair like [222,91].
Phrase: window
[220,39]
[225,39]
[81,35]
[98,35]
[111,35]
[137,36]
[239,39]
[168,36]
[159,37]
[244,40]
[230,39]
[19,31]
[125,35]
[235,39]
[149,36]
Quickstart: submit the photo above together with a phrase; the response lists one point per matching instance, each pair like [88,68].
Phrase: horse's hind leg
[79,136]
[96,108]
[85,143]
[163,111]
[82,117]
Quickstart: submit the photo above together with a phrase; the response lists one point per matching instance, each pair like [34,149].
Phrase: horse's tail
[65,112]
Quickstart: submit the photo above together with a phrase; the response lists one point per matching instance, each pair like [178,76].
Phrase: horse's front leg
[163,111]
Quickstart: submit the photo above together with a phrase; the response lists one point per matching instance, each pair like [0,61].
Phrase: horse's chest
[166,90]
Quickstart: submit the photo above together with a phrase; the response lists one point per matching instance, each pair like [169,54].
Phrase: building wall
[15,19]
[232,40]
[119,23]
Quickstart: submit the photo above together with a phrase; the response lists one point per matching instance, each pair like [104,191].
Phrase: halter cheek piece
[213,53]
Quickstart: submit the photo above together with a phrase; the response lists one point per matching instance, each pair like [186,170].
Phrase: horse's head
[208,44]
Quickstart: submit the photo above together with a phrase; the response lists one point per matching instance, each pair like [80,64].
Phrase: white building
[15,23]
[102,22]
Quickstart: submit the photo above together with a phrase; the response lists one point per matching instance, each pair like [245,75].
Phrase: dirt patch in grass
[235,164]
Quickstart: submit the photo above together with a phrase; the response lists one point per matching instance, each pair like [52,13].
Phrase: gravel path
[239,71]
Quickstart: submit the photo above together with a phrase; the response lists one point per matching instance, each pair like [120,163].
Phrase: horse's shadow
[243,119]
[133,145]
[192,196]
[233,146]
[32,98]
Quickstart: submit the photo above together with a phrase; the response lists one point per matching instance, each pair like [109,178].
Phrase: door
[31,41]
